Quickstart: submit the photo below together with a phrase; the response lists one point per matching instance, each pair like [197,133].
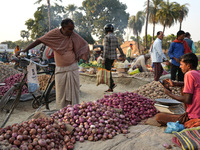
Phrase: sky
[14,13]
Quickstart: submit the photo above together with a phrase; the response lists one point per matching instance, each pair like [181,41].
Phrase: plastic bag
[33,84]
[134,72]
[174,126]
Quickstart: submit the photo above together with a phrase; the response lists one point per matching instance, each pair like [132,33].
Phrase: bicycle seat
[52,65]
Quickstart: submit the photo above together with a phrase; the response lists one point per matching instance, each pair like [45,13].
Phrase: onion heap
[92,121]
[41,134]
[134,106]
[10,81]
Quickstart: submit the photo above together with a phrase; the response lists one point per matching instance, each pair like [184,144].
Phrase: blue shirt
[175,50]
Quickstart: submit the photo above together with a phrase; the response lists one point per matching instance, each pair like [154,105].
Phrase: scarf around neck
[185,45]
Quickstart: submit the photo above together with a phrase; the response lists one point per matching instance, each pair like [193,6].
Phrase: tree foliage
[24,34]
[39,25]
[100,12]
[135,23]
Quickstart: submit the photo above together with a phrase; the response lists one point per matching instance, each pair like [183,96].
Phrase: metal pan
[168,102]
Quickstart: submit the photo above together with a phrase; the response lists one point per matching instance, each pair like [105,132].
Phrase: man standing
[177,49]
[189,42]
[128,53]
[68,49]
[157,56]
[110,52]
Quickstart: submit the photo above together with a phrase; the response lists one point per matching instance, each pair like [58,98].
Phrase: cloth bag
[103,77]
[32,79]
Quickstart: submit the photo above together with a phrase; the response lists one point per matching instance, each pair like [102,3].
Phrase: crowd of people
[67,48]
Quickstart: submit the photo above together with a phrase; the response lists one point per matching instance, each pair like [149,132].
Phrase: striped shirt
[110,46]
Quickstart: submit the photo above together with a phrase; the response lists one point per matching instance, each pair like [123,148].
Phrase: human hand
[17,53]
[168,82]
[166,91]
[177,60]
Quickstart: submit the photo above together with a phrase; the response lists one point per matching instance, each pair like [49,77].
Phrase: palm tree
[182,13]
[48,4]
[136,23]
[154,6]
[147,19]
[70,9]
[167,14]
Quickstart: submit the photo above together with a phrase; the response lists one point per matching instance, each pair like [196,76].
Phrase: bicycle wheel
[50,94]
[7,105]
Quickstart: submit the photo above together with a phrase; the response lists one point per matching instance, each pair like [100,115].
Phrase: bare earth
[141,137]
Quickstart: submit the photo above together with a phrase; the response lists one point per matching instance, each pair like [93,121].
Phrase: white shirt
[156,52]
[140,61]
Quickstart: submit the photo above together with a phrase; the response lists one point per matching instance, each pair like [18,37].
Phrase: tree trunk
[153,31]
[163,29]
[138,43]
[180,25]
[147,20]
[48,3]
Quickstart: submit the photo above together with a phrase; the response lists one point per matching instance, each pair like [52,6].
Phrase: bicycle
[9,101]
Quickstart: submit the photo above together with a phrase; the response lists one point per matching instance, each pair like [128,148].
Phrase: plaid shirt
[110,46]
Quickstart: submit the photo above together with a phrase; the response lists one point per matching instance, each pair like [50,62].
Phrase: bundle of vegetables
[154,90]
[6,71]
[134,106]
[40,133]
[93,121]
[89,65]
[10,81]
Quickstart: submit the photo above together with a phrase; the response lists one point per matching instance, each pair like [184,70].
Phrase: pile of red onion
[9,82]
[41,134]
[134,106]
[93,121]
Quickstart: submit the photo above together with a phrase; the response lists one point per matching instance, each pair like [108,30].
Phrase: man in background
[189,42]
[177,49]
[157,55]
[128,53]
[140,62]
[110,52]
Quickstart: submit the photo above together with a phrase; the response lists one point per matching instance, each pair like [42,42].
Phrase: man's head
[131,45]
[147,56]
[108,28]
[180,35]
[160,35]
[187,34]
[188,62]
[67,27]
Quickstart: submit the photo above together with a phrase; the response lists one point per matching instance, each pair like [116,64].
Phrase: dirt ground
[141,137]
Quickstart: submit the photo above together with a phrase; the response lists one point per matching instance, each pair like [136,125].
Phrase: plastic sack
[103,77]
[174,126]
[134,71]
[33,84]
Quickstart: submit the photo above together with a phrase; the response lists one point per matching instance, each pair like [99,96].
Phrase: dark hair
[158,33]
[66,21]
[190,58]
[187,34]
[180,32]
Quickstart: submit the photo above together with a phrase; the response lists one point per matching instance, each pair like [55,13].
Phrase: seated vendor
[190,95]
[140,62]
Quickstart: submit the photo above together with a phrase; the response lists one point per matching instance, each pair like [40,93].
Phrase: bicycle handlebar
[34,62]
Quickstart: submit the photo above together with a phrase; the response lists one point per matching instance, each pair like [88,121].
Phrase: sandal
[109,90]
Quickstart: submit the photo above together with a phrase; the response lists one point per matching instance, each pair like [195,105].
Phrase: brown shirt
[62,45]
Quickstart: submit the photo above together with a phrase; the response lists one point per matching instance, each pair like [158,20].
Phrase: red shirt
[192,86]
